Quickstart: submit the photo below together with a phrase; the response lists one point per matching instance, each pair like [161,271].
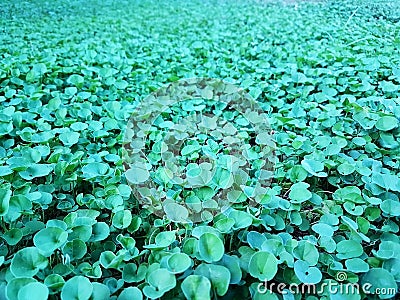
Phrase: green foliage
[27,262]
[49,239]
[196,287]
[72,73]
[263,265]
[211,248]
[77,287]
[380,278]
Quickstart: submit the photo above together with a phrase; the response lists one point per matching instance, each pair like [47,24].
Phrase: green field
[325,73]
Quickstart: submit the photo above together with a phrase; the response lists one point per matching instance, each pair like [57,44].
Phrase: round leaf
[380,279]
[15,285]
[27,262]
[356,265]
[178,263]
[49,239]
[69,138]
[122,219]
[196,287]
[218,275]
[34,291]
[37,170]
[299,192]
[75,249]
[137,175]
[162,280]
[307,252]
[349,249]
[263,265]
[77,288]
[307,274]
[101,292]
[211,247]
[387,123]
[130,293]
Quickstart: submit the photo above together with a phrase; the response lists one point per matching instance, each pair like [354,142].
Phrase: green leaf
[101,292]
[242,219]
[93,170]
[232,263]
[34,291]
[176,212]
[100,232]
[379,279]
[313,167]
[387,123]
[218,275]
[307,252]
[388,86]
[15,285]
[386,181]
[130,293]
[393,266]
[13,236]
[224,225]
[199,230]
[211,247]
[69,138]
[356,265]
[75,249]
[70,91]
[165,238]
[122,219]
[76,80]
[49,239]
[109,260]
[299,192]
[161,281]
[77,288]
[34,171]
[178,263]
[54,282]
[27,262]
[297,174]
[18,205]
[137,175]
[196,287]
[5,170]
[133,273]
[349,249]
[346,169]
[189,149]
[323,229]
[307,274]
[5,195]
[255,239]
[391,207]
[263,265]
[387,250]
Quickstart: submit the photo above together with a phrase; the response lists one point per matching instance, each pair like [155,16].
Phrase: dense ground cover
[72,72]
